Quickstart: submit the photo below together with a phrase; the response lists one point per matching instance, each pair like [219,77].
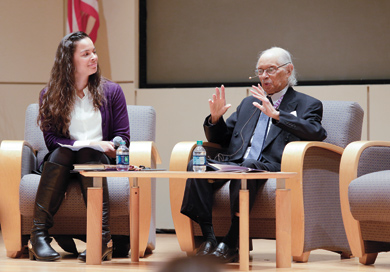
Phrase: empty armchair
[18,186]
[316,213]
[364,195]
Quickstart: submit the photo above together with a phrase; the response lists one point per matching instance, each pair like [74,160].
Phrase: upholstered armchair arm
[300,157]
[11,153]
[180,157]
[144,153]
[29,159]
[349,170]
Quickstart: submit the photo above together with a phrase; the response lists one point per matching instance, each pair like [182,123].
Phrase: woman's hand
[108,148]
[266,107]
[218,105]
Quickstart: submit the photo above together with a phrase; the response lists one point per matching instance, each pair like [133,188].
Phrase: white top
[86,121]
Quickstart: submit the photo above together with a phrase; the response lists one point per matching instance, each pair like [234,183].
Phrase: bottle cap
[199,142]
[123,143]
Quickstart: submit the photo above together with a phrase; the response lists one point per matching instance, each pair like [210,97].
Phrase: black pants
[66,157]
[198,195]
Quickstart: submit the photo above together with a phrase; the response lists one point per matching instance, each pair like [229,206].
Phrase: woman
[78,107]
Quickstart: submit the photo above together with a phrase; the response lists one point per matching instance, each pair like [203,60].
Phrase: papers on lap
[233,168]
[94,166]
[101,167]
[78,147]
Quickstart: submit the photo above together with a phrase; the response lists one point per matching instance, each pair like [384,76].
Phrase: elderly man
[254,136]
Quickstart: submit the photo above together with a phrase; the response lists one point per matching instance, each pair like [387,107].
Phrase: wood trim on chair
[348,172]
[10,176]
[292,161]
[144,153]
[180,156]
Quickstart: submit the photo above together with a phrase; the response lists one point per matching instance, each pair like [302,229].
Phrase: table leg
[94,225]
[134,221]
[244,230]
[283,228]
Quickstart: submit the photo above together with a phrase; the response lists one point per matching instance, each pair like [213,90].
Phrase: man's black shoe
[225,254]
[206,248]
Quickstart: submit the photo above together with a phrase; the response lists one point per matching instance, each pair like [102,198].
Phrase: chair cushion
[369,197]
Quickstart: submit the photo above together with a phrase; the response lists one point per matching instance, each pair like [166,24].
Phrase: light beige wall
[31,31]
[379,112]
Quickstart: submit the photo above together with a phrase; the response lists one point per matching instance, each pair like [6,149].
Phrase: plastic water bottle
[122,157]
[199,158]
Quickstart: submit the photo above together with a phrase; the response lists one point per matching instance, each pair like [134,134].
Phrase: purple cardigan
[115,119]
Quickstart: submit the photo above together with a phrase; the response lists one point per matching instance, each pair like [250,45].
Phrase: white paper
[78,147]
[234,168]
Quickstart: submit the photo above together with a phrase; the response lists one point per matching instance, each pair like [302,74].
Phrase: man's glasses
[270,70]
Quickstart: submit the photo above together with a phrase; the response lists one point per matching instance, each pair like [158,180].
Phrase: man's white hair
[283,56]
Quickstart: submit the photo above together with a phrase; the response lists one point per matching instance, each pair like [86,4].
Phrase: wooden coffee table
[283,210]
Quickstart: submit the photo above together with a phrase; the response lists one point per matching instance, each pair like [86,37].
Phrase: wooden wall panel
[30,31]
[117,41]
[13,105]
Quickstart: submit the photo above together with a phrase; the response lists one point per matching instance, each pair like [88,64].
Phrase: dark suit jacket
[235,134]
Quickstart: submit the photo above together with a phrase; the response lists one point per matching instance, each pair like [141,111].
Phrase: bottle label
[122,159]
[199,160]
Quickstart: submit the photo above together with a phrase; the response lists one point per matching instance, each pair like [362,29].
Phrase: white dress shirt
[86,121]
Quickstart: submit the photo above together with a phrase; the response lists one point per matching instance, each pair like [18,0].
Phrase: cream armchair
[316,213]
[18,186]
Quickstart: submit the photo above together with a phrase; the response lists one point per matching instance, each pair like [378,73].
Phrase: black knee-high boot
[86,182]
[51,191]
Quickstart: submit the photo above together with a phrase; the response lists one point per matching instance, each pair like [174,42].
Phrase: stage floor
[167,248]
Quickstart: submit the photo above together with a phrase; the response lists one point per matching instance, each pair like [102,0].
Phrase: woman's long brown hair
[57,103]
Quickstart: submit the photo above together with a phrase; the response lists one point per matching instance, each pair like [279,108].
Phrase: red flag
[83,15]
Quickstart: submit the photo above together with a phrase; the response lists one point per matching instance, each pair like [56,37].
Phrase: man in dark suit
[254,136]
